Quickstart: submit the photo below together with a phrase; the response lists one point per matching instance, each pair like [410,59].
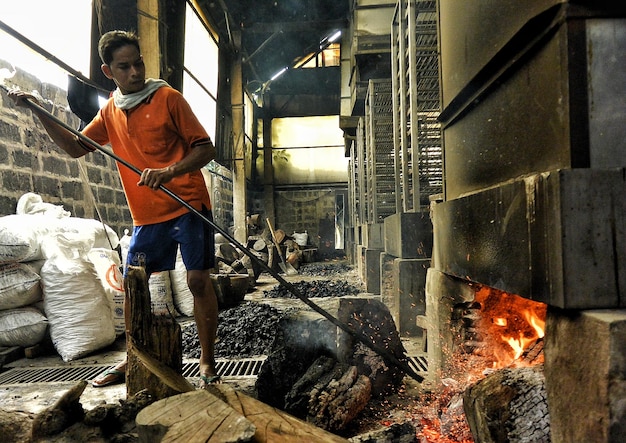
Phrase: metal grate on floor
[239,368]
[418,363]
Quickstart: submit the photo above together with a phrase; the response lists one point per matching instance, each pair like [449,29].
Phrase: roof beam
[265,27]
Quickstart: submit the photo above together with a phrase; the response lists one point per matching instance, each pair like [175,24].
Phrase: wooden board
[195,416]
[272,425]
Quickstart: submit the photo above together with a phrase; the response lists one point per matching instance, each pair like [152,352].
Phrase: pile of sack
[58,275]
[61,275]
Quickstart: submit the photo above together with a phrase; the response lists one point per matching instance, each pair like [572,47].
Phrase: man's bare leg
[205,314]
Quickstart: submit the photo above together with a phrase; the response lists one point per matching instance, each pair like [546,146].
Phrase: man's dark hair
[114,40]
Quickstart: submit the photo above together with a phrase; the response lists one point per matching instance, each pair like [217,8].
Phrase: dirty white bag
[22,327]
[31,203]
[107,265]
[75,303]
[20,237]
[19,285]
[160,287]
[183,298]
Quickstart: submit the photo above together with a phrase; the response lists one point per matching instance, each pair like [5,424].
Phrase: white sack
[31,203]
[101,235]
[183,298]
[22,327]
[19,286]
[20,237]
[75,302]
[107,265]
[160,288]
[23,236]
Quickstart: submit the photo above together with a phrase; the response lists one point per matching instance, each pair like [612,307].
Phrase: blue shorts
[155,246]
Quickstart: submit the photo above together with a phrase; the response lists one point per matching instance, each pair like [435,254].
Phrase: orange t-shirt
[158,132]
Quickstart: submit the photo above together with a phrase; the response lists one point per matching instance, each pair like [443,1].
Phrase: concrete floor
[35,397]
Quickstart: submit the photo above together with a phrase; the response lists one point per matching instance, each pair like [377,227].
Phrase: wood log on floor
[196,416]
[17,425]
[220,414]
[158,336]
[329,394]
[273,425]
[509,406]
[66,411]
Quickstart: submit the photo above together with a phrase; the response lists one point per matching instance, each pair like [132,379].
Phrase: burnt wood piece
[66,411]
[330,394]
[157,336]
[509,406]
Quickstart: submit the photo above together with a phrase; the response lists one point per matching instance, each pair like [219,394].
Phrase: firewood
[66,411]
[509,406]
[158,337]
[196,416]
[272,424]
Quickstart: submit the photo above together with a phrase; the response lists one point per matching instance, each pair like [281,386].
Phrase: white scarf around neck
[129,101]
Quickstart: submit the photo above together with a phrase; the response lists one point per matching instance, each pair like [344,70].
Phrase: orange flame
[513,320]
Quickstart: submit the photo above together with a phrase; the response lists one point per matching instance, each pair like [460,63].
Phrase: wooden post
[158,336]
[239,164]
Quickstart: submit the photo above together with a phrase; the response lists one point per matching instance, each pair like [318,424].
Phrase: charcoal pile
[245,330]
[324,269]
[315,288]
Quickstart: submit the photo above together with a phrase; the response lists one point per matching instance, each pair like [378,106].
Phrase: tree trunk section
[509,406]
[158,336]
[195,416]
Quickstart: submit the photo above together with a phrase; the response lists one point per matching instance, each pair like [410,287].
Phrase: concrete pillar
[585,372]
[409,285]
[372,270]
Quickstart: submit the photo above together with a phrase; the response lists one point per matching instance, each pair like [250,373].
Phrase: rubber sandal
[115,377]
[210,380]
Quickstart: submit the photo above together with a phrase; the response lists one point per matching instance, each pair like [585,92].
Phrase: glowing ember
[511,320]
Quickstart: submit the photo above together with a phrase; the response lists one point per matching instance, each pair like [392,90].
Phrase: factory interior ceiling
[274,35]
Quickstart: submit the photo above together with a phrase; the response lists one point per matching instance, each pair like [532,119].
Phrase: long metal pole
[388,356]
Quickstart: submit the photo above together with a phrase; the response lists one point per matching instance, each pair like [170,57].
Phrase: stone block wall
[31,162]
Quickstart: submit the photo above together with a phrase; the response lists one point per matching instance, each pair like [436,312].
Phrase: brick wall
[31,162]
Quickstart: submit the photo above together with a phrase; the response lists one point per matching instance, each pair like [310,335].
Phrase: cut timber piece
[273,425]
[157,336]
[196,416]
[509,406]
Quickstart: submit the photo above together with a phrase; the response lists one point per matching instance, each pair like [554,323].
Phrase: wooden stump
[509,406]
[221,414]
[159,337]
[196,416]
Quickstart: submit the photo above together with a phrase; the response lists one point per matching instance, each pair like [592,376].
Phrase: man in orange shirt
[152,127]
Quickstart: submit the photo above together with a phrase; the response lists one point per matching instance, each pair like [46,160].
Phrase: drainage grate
[239,368]
[418,363]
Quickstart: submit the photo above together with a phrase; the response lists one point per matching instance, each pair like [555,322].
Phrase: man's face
[126,69]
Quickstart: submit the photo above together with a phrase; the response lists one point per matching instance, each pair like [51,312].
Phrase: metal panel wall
[379,148]
[417,131]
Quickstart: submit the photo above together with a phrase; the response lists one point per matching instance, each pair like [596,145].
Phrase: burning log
[509,406]
[329,394]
